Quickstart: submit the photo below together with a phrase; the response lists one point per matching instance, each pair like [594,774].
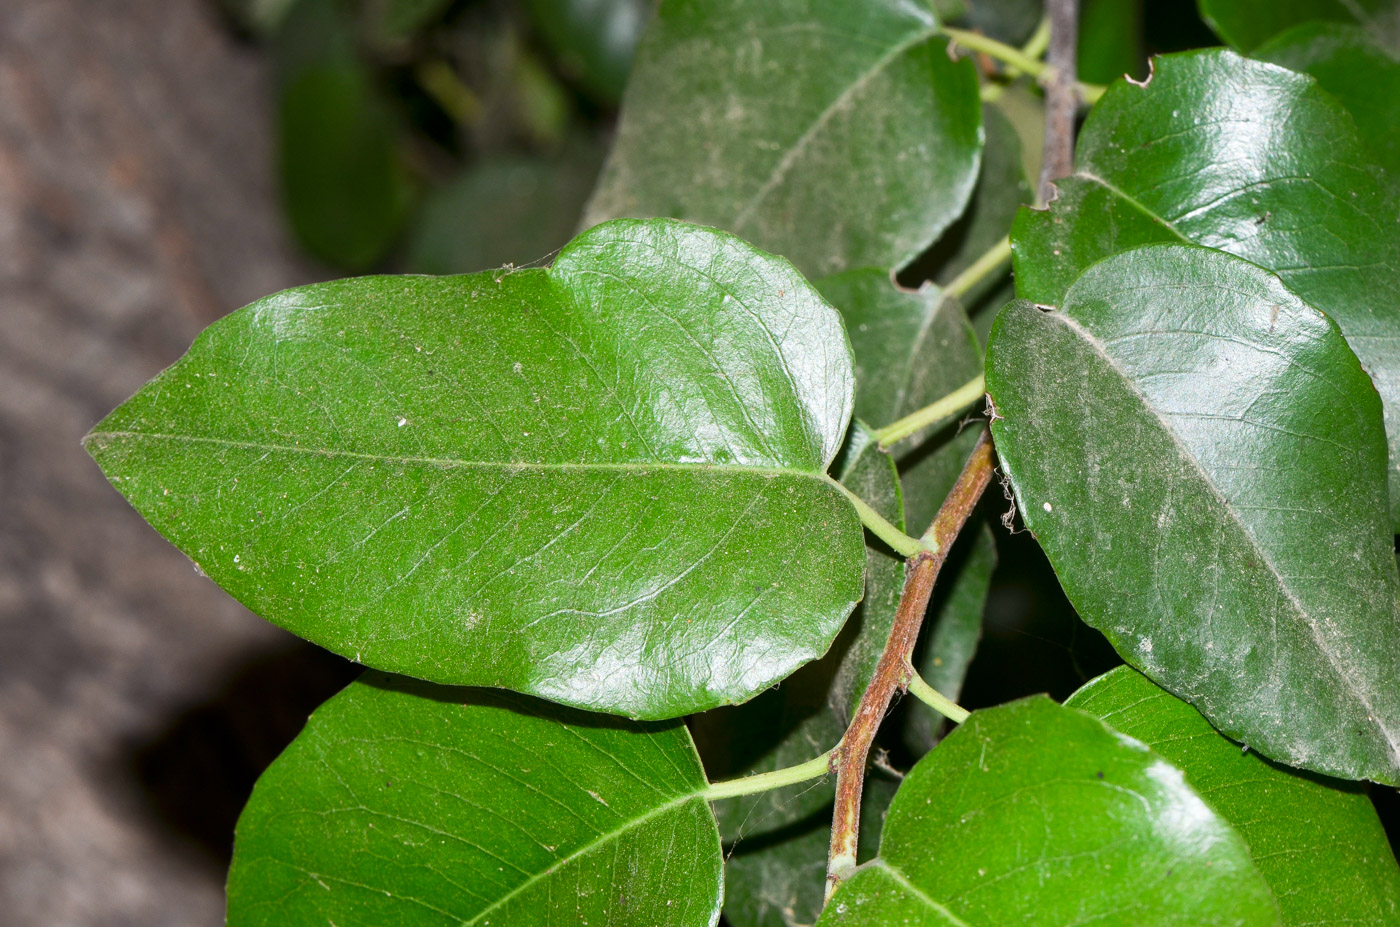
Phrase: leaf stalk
[814,768]
[936,411]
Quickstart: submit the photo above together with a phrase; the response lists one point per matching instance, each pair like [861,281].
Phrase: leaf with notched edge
[409,804]
[1202,458]
[1249,158]
[601,483]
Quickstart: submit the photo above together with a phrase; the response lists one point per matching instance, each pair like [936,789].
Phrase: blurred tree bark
[136,206]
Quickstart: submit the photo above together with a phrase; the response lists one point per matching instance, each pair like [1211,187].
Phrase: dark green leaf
[1111,41]
[1316,841]
[345,187]
[600,483]
[1202,458]
[403,803]
[397,20]
[517,210]
[911,347]
[740,115]
[593,40]
[778,879]
[1035,814]
[1247,24]
[1249,158]
[1010,21]
[1352,66]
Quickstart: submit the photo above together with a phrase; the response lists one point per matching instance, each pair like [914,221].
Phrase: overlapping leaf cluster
[633,484]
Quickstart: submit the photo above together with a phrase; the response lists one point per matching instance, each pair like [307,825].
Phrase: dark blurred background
[163,162]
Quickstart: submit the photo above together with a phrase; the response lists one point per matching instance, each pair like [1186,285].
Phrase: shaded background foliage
[165,161]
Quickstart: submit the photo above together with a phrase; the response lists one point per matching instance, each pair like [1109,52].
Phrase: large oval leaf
[600,483]
[403,803]
[1317,842]
[739,115]
[1035,814]
[1249,158]
[1201,456]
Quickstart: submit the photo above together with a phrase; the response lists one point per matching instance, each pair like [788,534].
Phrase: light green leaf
[1202,459]
[407,804]
[1249,158]
[600,483]
[1316,841]
[1035,814]
[739,115]
[1247,24]
[1356,69]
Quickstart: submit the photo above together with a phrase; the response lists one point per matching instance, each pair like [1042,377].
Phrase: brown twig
[1061,95]
[891,674]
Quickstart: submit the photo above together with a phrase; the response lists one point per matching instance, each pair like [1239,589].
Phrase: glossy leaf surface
[1247,24]
[1249,158]
[1035,814]
[1183,436]
[1316,841]
[599,483]
[1356,69]
[739,115]
[403,803]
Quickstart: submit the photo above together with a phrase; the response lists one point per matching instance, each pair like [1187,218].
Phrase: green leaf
[1031,813]
[460,228]
[593,40]
[1201,457]
[1111,41]
[600,483]
[1010,21]
[1247,24]
[403,803]
[739,115]
[1316,841]
[345,187]
[1249,158]
[1352,66]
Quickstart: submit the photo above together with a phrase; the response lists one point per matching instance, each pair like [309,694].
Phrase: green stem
[995,256]
[898,541]
[763,782]
[1039,41]
[949,405]
[934,699]
[1016,58]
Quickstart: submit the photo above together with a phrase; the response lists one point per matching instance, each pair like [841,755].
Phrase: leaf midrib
[790,157]
[454,462]
[584,850]
[1348,683]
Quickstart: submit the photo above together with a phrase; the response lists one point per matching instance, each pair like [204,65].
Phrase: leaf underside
[600,483]
[1181,436]
[739,114]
